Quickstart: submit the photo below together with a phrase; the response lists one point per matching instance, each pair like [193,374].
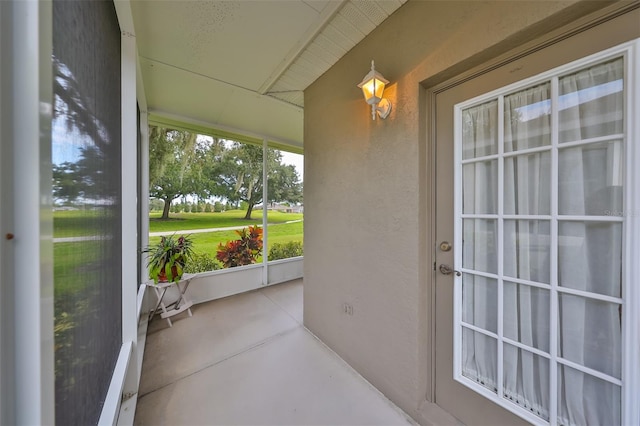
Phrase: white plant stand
[179,306]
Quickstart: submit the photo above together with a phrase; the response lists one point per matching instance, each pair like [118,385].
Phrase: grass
[186,221]
[73,260]
[79,223]
[72,263]
[207,242]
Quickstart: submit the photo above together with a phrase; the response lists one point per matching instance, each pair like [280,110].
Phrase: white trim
[265,218]
[129,190]
[457,238]
[630,382]
[30,26]
[113,399]
[126,381]
[144,193]
[200,123]
[500,244]
[631,270]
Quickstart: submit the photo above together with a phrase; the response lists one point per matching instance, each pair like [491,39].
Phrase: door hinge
[434,265]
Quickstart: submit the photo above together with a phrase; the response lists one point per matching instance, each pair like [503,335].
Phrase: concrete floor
[248,360]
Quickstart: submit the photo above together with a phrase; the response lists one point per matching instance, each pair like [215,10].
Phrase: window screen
[86,139]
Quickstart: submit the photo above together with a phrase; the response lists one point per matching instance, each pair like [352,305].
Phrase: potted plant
[168,257]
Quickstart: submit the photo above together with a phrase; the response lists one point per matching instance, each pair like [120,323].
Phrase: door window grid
[555,220]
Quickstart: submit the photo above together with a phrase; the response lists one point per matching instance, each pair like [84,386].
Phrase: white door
[530,239]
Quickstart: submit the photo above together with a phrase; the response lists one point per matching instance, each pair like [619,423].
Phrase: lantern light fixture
[372,86]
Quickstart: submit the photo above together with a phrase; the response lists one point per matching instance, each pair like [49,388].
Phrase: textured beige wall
[366,214]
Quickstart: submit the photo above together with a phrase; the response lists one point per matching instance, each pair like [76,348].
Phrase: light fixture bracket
[383,108]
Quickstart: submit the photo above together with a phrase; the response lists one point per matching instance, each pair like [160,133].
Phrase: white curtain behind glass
[589,252]
[480,137]
[527,191]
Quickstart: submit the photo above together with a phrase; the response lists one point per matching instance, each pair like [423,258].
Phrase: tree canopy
[182,164]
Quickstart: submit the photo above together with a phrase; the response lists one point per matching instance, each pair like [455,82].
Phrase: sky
[296,160]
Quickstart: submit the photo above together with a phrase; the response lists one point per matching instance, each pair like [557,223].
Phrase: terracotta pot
[162,276]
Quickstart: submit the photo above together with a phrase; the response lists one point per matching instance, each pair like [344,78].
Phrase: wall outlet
[347,308]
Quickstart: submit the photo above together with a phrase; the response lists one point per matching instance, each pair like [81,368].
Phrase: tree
[284,184]
[236,174]
[173,167]
[67,183]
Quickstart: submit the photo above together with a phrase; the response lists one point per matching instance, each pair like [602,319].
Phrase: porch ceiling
[241,66]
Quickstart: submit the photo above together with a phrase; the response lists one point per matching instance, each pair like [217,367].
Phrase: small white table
[175,308]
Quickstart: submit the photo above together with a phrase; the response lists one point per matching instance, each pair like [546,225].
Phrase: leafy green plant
[201,262]
[243,251]
[168,257]
[286,250]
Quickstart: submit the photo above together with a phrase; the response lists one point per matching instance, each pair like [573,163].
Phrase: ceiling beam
[329,11]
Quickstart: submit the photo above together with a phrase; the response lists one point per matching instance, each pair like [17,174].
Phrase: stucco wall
[366,211]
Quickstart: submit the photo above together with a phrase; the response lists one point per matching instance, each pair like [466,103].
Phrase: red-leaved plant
[244,251]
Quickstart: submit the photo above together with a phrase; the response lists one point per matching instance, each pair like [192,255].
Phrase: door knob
[448,270]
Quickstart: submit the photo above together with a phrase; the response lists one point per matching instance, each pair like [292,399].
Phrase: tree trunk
[165,210]
[249,211]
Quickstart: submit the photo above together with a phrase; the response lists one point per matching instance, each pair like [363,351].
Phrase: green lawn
[185,221]
[208,242]
[70,257]
[78,223]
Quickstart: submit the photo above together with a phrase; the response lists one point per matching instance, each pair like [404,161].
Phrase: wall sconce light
[372,86]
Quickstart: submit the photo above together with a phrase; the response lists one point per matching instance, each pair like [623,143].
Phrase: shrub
[167,258]
[285,250]
[207,208]
[243,251]
[218,207]
[201,262]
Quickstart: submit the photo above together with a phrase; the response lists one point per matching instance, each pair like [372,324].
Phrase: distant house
[283,208]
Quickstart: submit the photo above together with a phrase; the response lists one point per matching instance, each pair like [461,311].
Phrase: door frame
[431,87]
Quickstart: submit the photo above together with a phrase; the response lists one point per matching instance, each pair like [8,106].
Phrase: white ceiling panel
[243,65]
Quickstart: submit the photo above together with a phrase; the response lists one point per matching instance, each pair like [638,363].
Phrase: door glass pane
[480,130]
[480,302]
[589,333]
[590,179]
[591,102]
[480,359]
[590,256]
[527,184]
[527,118]
[526,380]
[526,315]
[586,400]
[479,251]
[480,187]
[527,247]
